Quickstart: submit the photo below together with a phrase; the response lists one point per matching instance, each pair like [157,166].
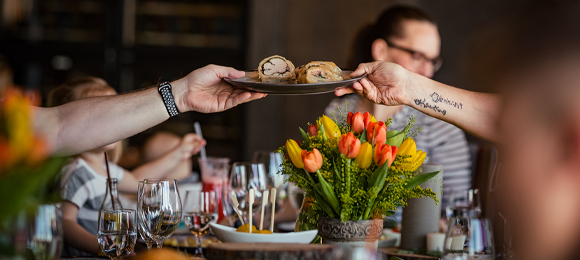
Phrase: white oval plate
[229,234]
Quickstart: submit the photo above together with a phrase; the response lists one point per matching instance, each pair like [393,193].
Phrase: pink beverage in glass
[214,175]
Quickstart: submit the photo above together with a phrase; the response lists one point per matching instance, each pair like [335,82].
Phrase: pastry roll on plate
[275,69]
[318,71]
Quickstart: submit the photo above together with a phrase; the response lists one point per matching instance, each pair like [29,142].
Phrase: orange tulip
[384,153]
[312,130]
[367,118]
[356,122]
[377,132]
[312,160]
[348,145]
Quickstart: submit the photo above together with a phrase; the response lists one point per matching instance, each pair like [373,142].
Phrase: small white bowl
[229,234]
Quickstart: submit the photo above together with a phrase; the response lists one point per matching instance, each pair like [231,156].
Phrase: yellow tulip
[295,153]
[365,156]
[414,159]
[331,130]
[408,147]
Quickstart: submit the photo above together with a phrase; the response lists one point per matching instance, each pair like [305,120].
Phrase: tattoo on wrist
[438,98]
[423,103]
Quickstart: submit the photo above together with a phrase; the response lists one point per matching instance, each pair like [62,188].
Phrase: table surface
[391,251]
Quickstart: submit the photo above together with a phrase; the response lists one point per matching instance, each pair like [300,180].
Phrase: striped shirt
[444,143]
[85,188]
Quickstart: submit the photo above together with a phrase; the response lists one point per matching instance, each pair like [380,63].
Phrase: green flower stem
[309,177]
[347,170]
[318,195]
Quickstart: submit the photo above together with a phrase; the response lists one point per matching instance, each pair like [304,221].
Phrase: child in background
[83,179]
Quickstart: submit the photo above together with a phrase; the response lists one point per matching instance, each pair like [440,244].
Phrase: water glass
[149,241]
[159,209]
[201,209]
[117,232]
[45,232]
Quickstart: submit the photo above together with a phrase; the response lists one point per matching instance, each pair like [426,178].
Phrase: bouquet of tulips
[353,168]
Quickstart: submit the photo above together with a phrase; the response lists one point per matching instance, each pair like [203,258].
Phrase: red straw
[109,180]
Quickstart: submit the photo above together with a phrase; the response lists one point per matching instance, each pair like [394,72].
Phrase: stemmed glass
[45,232]
[149,241]
[246,176]
[201,208]
[159,208]
[272,162]
[117,232]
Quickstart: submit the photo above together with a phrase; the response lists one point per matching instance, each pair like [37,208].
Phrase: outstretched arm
[390,84]
[93,122]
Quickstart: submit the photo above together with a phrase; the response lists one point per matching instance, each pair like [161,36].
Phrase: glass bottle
[111,200]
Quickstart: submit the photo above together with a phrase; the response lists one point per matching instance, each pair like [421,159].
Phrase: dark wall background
[118,46]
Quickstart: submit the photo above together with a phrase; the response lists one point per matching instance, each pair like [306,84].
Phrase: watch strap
[165,91]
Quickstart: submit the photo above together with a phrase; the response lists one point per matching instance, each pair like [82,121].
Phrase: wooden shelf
[192,10]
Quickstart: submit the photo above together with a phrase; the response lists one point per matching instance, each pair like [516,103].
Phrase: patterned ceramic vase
[361,233]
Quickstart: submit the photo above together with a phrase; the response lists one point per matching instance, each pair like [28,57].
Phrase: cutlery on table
[273,201]
[264,203]
[236,204]
[251,202]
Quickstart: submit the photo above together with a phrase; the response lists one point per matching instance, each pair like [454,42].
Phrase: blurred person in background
[158,145]
[409,37]
[83,178]
[533,59]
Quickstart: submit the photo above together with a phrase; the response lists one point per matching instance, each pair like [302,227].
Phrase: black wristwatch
[167,95]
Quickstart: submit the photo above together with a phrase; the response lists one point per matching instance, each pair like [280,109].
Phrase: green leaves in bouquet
[420,178]
[23,188]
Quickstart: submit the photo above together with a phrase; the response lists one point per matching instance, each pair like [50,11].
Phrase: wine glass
[45,232]
[144,235]
[469,236]
[272,162]
[117,232]
[159,209]
[246,176]
[201,208]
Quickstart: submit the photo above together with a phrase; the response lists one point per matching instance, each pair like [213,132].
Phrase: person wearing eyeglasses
[409,37]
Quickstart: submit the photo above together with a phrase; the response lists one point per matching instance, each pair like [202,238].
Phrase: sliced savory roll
[318,71]
[275,69]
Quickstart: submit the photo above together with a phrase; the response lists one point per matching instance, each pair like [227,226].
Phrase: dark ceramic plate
[252,82]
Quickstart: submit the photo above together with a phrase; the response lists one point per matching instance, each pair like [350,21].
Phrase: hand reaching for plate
[203,90]
[387,83]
